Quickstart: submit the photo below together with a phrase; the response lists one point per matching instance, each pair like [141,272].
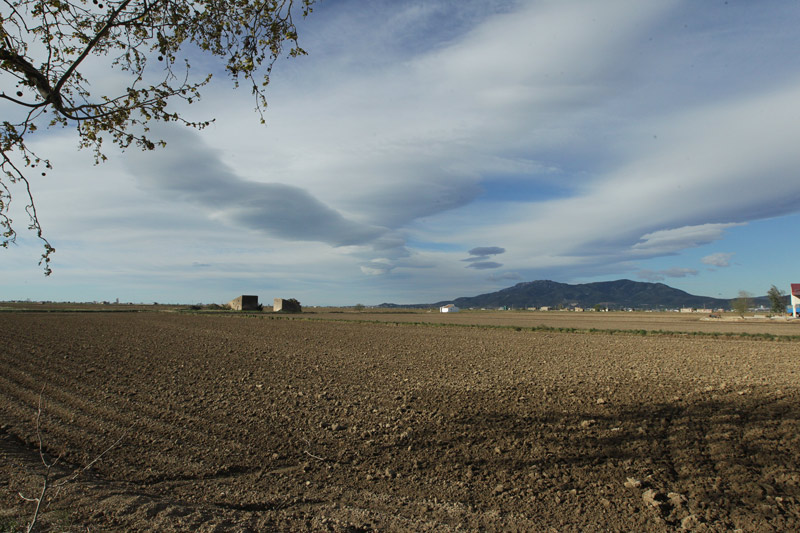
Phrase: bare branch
[20,102]
[30,209]
[47,481]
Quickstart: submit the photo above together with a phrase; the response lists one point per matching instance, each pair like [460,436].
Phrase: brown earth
[257,424]
[727,323]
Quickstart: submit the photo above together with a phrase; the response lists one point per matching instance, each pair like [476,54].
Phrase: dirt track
[238,424]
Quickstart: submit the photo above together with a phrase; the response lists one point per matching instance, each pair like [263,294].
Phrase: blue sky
[576,141]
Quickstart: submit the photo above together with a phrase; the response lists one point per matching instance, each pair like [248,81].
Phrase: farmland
[379,421]
[728,324]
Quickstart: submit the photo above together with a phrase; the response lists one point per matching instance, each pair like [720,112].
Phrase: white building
[449,308]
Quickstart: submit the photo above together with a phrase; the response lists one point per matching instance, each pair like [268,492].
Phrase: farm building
[245,302]
[286,306]
[449,308]
[795,298]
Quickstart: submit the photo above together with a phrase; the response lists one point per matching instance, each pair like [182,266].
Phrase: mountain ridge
[619,294]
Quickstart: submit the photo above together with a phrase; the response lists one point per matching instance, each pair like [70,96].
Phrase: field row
[233,423]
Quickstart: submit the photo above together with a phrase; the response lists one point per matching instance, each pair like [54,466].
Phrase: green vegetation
[741,304]
[776,300]
[292,306]
[208,308]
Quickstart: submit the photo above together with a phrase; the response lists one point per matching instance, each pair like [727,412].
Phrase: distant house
[449,308]
[795,299]
[245,302]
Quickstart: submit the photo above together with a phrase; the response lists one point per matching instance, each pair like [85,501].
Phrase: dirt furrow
[295,425]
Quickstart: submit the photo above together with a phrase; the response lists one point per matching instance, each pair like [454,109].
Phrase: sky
[427,150]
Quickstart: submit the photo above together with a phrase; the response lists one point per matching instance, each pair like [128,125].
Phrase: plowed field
[728,323]
[257,424]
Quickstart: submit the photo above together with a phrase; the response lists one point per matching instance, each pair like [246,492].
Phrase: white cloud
[676,272]
[483,251]
[407,117]
[661,275]
[710,170]
[668,241]
[484,265]
[379,267]
[719,259]
[506,276]
[192,172]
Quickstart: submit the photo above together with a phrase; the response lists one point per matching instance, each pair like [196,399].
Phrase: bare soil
[258,424]
[727,323]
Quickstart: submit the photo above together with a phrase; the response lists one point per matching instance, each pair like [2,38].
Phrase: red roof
[795,289]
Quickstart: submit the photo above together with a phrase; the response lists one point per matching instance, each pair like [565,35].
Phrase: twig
[317,457]
[47,481]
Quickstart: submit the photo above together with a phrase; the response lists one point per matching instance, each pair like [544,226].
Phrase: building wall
[245,302]
[288,306]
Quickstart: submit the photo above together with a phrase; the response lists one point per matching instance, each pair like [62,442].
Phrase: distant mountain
[618,294]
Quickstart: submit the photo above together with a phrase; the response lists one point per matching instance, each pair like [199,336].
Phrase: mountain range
[620,294]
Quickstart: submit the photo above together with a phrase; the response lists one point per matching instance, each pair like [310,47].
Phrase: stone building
[245,302]
[287,306]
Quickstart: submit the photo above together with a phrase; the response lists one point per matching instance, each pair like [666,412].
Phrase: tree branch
[45,43]
[10,235]
[47,481]
[20,102]
[96,39]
